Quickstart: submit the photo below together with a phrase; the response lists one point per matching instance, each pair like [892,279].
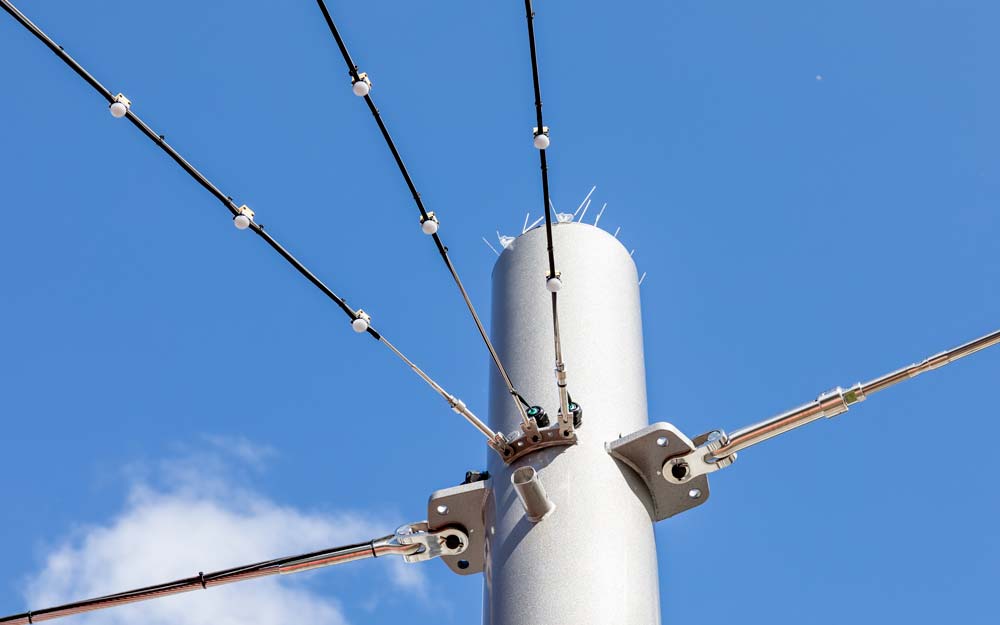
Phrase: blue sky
[811,187]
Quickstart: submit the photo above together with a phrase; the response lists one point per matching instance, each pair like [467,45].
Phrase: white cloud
[243,449]
[189,524]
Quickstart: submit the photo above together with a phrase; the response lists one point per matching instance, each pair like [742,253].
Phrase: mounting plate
[462,506]
[539,438]
[645,451]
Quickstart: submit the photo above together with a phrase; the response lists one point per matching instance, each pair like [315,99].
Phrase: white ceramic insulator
[118,110]
[361,88]
[553,285]
[430,226]
[242,222]
[360,325]
[541,141]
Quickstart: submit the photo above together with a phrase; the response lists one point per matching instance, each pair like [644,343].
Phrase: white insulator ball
[242,222]
[429,226]
[118,110]
[541,141]
[361,88]
[553,285]
[360,325]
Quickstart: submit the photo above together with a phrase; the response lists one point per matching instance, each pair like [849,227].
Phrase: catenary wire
[564,399]
[352,68]
[496,439]
[202,581]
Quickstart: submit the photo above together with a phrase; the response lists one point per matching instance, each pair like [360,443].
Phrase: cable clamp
[700,461]
[121,98]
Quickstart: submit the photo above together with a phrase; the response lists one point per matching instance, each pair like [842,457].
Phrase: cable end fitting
[362,321]
[541,137]
[120,106]
[429,224]
[361,86]
[538,414]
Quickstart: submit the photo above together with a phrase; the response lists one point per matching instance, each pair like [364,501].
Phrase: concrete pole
[593,559]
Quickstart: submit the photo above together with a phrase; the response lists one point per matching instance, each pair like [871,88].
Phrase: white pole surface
[593,559]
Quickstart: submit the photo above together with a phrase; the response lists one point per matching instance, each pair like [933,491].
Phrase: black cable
[352,68]
[180,160]
[255,227]
[553,275]
[497,441]
[541,127]
[37,32]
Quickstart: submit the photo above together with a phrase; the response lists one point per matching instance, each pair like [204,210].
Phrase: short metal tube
[530,491]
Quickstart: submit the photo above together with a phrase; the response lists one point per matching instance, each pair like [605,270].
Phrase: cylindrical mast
[593,558]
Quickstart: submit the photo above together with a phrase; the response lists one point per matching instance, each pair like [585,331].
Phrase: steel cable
[496,440]
[553,275]
[352,68]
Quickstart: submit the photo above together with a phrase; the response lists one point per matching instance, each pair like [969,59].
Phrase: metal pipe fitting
[530,491]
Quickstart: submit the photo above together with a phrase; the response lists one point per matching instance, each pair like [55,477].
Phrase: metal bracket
[530,440]
[461,508]
[646,451]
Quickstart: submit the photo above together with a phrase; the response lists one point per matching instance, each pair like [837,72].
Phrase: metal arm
[717,450]
[413,542]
